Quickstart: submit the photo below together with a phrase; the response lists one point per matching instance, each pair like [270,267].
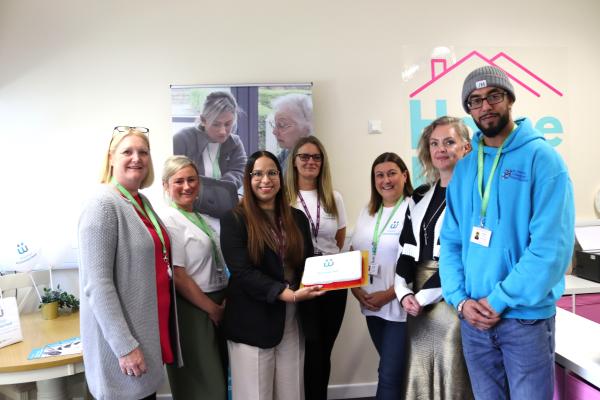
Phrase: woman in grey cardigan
[128,323]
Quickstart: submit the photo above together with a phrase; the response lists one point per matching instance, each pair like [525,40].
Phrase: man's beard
[494,130]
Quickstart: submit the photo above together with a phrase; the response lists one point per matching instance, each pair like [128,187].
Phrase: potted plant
[53,299]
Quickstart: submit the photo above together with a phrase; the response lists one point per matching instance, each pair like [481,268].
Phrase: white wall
[70,70]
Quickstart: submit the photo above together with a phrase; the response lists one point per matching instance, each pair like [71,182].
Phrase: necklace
[425,226]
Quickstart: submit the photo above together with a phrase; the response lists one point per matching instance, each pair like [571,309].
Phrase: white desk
[575,285]
[577,347]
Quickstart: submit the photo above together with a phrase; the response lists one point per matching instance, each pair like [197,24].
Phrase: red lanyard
[314,227]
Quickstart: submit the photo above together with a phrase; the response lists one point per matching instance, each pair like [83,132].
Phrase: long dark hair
[376,198]
[260,228]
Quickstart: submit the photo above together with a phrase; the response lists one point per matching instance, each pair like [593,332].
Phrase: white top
[328,225]
[210,154]
[191,249]
[417,213]
[577,285]
[577,345]
[386,257]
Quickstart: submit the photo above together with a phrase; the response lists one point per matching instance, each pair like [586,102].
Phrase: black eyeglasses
[123,129]
[492,98]
[306,157]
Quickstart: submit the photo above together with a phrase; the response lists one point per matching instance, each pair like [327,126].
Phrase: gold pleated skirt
[436,367]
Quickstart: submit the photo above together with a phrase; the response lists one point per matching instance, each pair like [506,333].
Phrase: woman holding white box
[265,243]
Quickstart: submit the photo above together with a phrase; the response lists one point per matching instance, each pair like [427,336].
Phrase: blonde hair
[107,170]
[217,103]
[324,185]
[429,172]
[174,164]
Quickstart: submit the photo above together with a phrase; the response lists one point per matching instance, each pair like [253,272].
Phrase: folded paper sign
[10,324]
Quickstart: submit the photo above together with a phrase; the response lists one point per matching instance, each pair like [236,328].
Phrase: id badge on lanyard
[480,234]
[375,268]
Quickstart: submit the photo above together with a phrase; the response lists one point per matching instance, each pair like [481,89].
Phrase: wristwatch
[460,308]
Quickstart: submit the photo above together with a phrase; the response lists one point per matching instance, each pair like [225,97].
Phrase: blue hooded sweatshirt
[532,218]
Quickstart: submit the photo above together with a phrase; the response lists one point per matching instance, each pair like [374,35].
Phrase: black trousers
[329,314]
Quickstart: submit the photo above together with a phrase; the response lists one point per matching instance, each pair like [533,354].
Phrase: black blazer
[253,313]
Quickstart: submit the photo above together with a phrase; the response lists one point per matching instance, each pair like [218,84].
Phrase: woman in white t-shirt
[308,181]
[378,230]
[200,281]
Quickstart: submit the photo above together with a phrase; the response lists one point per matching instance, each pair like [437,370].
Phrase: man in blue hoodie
[506,243]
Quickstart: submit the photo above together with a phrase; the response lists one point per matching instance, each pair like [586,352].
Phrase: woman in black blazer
[265,243]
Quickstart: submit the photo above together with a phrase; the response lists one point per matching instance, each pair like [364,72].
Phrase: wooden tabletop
[38,332]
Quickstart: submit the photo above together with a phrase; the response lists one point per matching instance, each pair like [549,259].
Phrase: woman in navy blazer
[265,243]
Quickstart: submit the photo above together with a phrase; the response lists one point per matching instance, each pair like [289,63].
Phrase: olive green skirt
[204,351]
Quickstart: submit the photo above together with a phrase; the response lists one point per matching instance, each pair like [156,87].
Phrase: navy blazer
[253,313]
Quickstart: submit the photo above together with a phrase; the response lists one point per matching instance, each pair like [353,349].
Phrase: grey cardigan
[118,298]
[192,141]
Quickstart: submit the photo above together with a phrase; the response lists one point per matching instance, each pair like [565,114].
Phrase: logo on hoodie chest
[515,174]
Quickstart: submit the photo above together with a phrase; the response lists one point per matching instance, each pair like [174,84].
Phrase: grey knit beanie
[485,76]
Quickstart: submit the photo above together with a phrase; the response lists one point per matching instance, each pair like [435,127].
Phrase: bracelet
[460,307]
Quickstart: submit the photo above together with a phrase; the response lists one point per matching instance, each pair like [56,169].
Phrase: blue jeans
[513,360]
[389,338]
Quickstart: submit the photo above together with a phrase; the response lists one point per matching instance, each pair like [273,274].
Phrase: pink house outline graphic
[435,62]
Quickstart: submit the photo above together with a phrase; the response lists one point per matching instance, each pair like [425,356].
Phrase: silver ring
[130,372]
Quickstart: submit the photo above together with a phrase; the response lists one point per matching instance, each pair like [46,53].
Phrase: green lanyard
[376,232]
[216,170]
[485,195]
[197,220]
[146,212]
